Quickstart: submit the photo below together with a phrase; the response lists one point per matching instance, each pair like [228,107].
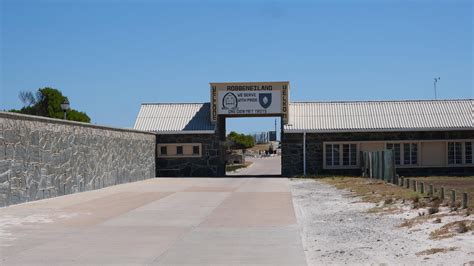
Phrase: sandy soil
[336,229]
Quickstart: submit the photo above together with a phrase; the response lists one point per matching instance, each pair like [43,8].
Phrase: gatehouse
[428,137]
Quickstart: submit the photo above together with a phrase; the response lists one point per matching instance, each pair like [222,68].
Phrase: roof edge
[185,132]
[173,103]
[299,131]
[389,101]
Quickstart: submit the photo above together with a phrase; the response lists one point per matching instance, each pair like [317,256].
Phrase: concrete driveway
[197,221]
[268,166]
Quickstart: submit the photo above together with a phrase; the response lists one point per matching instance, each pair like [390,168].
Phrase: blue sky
[109,56]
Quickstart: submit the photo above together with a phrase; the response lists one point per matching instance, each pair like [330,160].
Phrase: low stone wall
[44,158]
[235,158]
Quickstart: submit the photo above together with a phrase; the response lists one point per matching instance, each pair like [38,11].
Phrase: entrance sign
[249,99]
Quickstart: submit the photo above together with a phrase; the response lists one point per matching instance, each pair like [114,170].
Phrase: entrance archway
[252,146]
[249,100]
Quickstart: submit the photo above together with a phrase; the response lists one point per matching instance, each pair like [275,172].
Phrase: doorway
[253,146]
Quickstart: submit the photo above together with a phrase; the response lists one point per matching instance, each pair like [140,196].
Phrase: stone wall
[292,154]
[43,158]
[292,151]
[210,164]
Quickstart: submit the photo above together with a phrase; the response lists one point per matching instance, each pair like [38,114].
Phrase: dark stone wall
[292,154]
[210,164]
[292,151]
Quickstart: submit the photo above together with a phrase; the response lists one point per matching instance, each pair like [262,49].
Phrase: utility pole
[434,83]
[276,133]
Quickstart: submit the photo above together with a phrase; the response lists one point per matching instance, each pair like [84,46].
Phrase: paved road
[203,221]
[262,166]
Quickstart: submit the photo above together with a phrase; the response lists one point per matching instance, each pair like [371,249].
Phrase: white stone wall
[43,158]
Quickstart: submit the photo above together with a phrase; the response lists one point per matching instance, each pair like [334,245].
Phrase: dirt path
[337,230]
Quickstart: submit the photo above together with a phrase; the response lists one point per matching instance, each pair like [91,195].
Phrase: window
[349,154]
[404,153]
[179,150]
[396,151]
[163,150]
[332,154]
[329,155]
[460,152]
[410,153]
[340,155]
[454,152]
[173,150]
[469,152]
[195,150]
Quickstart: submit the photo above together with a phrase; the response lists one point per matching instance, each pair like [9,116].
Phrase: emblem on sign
[265,99]
[229,102]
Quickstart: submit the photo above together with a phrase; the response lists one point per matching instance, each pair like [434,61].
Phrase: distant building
[272,135]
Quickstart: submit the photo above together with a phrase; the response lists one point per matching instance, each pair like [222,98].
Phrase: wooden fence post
[430,191]
[407,182]
[414,185]
[422,188]
[453,197]
[441,193]
[464,200]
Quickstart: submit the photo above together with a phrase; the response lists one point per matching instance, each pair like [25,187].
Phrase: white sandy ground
[336,229]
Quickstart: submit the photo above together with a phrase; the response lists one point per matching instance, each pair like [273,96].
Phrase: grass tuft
[451,229]
[432,251]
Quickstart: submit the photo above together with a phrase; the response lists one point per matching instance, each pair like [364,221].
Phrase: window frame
[179,150]
[472,153]
[349,153]
[410,153]
[399,151]
[402,152]
[163,148]
[340,158]
[463,162]
[198,149]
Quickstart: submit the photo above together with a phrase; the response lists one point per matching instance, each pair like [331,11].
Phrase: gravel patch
[336,229]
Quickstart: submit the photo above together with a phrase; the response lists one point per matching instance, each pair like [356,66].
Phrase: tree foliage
[47,102]
[240,141]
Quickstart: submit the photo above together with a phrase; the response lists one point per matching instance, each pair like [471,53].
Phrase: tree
[47,102]
[240,141]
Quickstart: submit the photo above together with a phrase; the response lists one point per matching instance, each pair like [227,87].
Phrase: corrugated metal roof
[174,118]
[380,116]
[351,116]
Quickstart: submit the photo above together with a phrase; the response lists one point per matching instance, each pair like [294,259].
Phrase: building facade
[429,137]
